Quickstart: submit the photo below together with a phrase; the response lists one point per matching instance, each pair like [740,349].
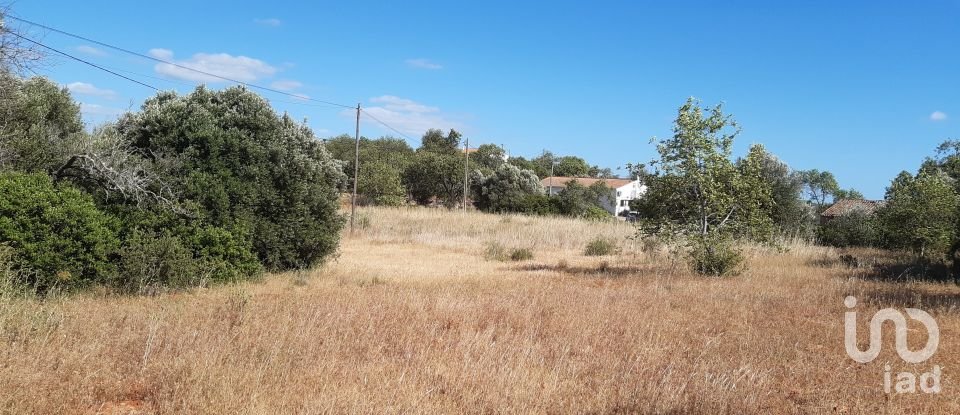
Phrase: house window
[618,193]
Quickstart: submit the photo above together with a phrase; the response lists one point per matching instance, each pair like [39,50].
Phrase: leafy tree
[921,214]
[59,236]
[563,166]
[525,164]
[572,166]
[434,141]
[41,126]
[582,201]
[386,150]
[946,160]
[820,187]
[789,213]
[435,175]
[698,192]
[507,189]
[380,184]
[487,158]
[242,167]
[848,194]
[697,186]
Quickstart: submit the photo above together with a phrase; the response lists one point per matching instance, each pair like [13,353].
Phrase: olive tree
[506,189]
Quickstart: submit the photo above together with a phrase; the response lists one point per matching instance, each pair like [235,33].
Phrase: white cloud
[421,63]
[286,85]
[100,110]
[270,22]
[239,68]
[938,116]
[90,50]
[408,116]
[83,88]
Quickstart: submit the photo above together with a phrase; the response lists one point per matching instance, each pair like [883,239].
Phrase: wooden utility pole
[356,173]
[466,170]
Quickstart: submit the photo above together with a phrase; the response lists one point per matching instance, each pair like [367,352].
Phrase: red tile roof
[845,206]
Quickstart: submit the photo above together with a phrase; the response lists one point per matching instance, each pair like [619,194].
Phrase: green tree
[921,214]
[41,127]
[582,201]
[699,193]
[487,158]
[820,187]
[848,194]
[790,213]
[435,141]
[507,189]
[242,167]
[380,184]
[435,175]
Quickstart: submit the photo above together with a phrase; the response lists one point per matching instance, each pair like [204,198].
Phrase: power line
[148,57]
[385,124]
[120,49]
[82,61]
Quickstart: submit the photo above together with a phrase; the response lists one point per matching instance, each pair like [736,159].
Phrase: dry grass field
[414,317]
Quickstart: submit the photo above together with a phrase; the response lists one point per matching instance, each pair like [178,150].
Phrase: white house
[624,190]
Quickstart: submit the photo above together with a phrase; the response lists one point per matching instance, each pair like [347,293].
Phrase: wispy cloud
[83,88]
[240,68]
[421,63]
[286,85]
[408,116]
[938,116]
[100,111]
[90,50]
[269,22]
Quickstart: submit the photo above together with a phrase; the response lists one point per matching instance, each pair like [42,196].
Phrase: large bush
[241,167]
[506,189]
[852,229]
[58,234]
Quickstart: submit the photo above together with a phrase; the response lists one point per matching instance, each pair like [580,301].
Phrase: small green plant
[600,247]
[495,252]
[521,254]
[716,257]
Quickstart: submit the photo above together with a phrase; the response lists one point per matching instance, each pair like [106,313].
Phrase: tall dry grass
[410,318]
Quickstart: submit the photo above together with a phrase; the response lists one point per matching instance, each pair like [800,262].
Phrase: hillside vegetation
[412,317]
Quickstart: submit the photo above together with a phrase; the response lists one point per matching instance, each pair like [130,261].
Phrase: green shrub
[59,236]
[242,167]
[150,260]
[521,254]
[853,229]
[197,257]
[600,246]
[495,252]
[715,256]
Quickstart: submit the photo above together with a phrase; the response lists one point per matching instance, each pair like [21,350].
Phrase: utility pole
[551,175]
[356,173]
[466,170]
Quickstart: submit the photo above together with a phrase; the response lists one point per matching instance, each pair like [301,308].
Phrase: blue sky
[863,89]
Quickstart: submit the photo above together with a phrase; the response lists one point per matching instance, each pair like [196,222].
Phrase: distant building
[846,206]
[623,190]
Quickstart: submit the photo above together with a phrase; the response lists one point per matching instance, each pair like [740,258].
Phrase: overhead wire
[298,97]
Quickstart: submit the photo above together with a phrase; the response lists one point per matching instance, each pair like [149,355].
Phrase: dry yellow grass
[410,318]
